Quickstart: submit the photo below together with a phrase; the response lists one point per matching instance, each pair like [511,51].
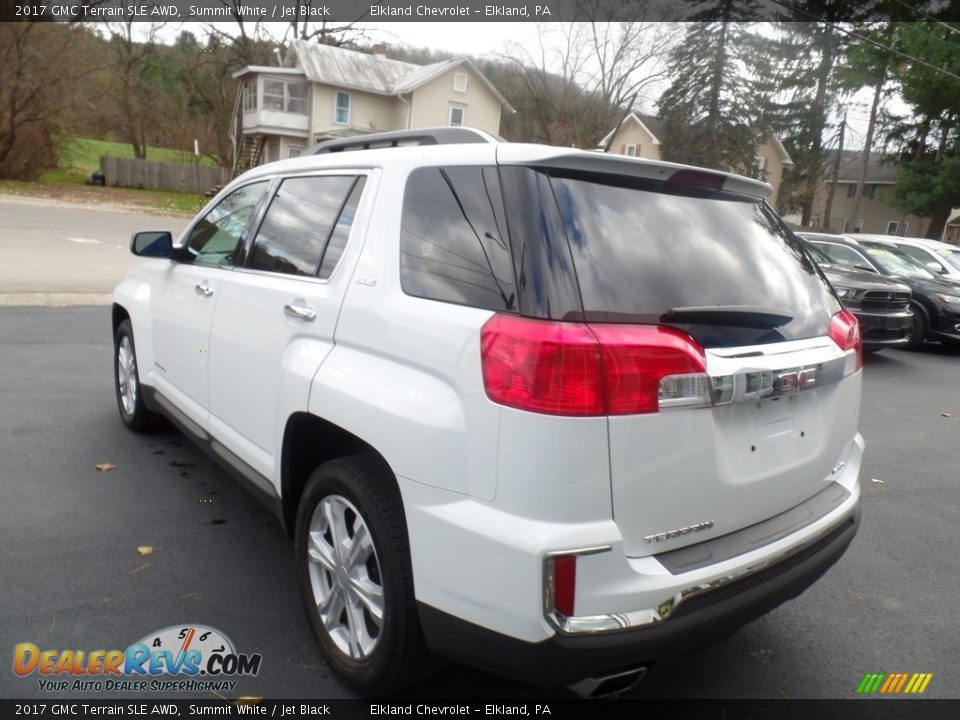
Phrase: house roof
[354,70]
[880,169]
[650,123]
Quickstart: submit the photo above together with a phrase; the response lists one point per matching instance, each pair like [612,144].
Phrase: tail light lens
[588,370]
[845,332]
[562,583]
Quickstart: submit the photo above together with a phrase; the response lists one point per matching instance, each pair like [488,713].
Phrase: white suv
[553,413]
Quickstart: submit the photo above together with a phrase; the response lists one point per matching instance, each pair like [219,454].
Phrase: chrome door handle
[300,312]
[204,289]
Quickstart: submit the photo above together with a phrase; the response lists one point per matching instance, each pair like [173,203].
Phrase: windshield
[950,255]
[895,262]
[819,256]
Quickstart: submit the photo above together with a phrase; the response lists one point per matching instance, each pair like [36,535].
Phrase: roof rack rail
[403,138]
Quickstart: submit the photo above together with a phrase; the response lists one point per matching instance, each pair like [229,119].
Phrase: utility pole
[834,174]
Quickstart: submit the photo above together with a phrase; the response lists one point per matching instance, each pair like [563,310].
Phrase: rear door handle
[204,289]
[300,312]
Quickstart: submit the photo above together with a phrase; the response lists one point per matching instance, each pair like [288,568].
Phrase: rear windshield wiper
[734,315]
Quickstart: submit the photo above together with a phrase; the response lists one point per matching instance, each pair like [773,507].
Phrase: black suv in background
[935,301]
[881,305]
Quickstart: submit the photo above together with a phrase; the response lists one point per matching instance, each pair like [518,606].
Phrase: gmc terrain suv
[553,413]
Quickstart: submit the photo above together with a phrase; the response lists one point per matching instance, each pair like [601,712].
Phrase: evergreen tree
[712,110]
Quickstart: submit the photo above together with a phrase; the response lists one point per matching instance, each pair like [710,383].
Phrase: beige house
[639,136]
[876,214]
[321,92]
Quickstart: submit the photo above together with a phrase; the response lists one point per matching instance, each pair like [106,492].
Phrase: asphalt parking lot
[72,577]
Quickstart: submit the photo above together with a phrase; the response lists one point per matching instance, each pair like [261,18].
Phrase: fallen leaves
[144,549]
[946,414]
[104,466]
[877,481]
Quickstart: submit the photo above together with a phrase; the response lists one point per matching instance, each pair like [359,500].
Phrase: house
[951,231]
[639,136]
[876,213]
[320,92]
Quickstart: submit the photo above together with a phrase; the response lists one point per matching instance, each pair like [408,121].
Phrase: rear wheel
[353,566]
[918,331]
[126,381]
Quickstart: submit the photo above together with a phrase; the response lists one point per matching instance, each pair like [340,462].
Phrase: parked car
[553,413]
[935,300]
[882,305]
[938,257]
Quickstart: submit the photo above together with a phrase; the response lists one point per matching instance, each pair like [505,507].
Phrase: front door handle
[204,289]
[300,312]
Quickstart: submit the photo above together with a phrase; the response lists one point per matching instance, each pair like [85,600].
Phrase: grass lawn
[81,156]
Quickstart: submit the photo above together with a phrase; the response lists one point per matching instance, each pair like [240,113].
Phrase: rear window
[720,266]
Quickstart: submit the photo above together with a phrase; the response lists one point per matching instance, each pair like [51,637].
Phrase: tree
[929,138]
[133,63]
[713,107]
[38,71]
[573,85]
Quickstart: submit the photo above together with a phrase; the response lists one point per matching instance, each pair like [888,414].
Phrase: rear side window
[303,217]
[722,267]
[453,238]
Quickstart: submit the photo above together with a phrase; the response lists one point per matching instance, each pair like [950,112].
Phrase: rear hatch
[719,266]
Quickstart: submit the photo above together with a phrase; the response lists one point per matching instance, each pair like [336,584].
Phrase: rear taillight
[587,370]
[562,583]
[844,330]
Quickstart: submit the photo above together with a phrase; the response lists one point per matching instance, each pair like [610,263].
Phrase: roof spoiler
[406,138]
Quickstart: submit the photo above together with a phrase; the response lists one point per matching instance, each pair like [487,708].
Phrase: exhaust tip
[608,685]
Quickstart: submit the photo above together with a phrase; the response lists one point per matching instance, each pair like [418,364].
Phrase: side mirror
[865,268]
[158,244]
[937,267]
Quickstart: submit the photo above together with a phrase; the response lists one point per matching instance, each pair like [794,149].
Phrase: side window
[453,238]
[215,238]
[301,219]
[922,257]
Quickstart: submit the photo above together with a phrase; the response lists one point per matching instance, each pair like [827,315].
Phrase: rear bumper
[564,660]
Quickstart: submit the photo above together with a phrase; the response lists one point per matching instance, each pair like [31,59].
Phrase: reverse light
[583,370]
[844,330]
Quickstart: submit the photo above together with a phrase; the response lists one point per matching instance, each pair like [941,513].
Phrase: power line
[858,36]
[920,12]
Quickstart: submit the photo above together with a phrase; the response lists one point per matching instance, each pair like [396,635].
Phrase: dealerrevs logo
[204,658]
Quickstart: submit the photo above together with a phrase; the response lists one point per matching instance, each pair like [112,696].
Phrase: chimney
[380,51]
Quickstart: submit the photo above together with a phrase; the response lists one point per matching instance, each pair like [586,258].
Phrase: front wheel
[918,331]
[353,566]
[126,382]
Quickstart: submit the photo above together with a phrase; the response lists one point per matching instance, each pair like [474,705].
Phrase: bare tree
[133,61]
[580,77]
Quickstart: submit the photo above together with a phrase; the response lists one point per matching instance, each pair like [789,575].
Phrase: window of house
[296,99]
[870,191]
[760,162]
[273,150]
[341,113]
[460,82]
[630,150]
[294,151]
[457,114]
[250,95]
[853,225]
[892,227]
[851,190]
[299,223]
[285,96]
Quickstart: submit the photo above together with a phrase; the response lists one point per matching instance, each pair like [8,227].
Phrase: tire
[126,382]
[362,610]
[917,332]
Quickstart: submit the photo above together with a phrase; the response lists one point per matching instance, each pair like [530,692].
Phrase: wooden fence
[153,175]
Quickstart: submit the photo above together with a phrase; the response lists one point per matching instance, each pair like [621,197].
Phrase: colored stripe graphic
[894,683]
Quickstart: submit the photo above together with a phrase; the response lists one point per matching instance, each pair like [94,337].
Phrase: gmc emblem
[797,380]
